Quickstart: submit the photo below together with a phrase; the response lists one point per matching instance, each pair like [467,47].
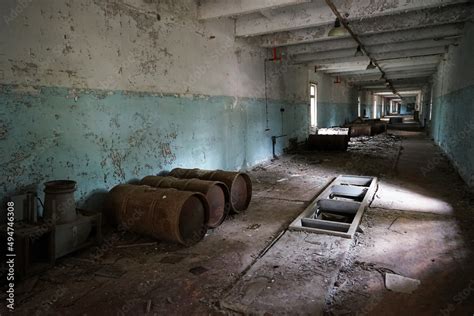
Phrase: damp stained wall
[367,104]
[104,92]
[408,105]
[452,125]
[337,102]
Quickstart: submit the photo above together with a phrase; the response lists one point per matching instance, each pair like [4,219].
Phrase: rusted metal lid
[241,192]
[192,220]
[217,205]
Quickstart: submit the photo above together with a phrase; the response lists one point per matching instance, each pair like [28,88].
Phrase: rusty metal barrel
[328,142]
[216,192]
[165,214]
[239,184]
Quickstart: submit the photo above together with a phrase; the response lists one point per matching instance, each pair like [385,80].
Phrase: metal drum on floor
[216,192]
[239,184]
[165,214]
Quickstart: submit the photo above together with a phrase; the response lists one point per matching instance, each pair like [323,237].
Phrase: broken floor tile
[401,284]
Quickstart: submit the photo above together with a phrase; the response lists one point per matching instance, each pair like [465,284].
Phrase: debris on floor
[198,270]
[401,284]
[110,272]
[143,244]
[172,259]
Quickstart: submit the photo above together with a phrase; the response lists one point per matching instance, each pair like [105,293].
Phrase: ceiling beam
[428,18]
[306,58]
[212,9]
[407,49]
[371,74]
[408,73]
[412,75]
[409,81]
[411,53]
[360,62]
[441,15]
[420,44]
[360,70]
[381,89]
[323,46]
[410,60]
[317,13]
[380,39]
[411,67]
[401,83]
[416,34]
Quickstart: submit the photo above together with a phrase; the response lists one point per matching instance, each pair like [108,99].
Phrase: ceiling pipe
[343,21]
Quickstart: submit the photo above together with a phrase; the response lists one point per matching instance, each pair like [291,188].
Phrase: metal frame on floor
[306,221]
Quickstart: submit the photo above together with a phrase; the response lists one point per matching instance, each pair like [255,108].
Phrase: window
[359,112]
[431,104]
[313,98]
[375,107]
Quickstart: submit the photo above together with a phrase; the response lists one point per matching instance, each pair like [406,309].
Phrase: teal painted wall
[452,125]
[453,129]
[102,138]
[336,114]
[368,110]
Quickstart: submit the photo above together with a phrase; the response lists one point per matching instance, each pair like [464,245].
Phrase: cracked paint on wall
[102,139]
[104,92]
[452,125]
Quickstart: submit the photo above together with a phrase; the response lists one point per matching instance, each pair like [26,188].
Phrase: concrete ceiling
[406,39]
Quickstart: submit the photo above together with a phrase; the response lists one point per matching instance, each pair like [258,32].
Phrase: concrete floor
[419,226]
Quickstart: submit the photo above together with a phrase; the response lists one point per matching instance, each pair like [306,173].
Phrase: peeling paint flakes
[3,130]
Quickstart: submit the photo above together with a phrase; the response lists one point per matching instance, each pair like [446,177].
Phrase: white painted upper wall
[153,46]
[211,9]
[328,91]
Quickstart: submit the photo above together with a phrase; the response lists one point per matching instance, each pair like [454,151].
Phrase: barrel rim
[205,204]
[248,182]
[60,186]
[232,181]
[227,205]
[149,180]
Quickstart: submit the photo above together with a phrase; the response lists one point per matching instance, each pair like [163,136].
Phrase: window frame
[313,109]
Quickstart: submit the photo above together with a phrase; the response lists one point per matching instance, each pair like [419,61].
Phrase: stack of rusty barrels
[181,206]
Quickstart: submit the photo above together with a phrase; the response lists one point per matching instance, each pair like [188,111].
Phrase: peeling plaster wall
[367,104]
[453,105]
[337,102]
[103,92]
[134,45]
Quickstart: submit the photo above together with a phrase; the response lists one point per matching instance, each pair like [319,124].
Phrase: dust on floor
[252,265]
